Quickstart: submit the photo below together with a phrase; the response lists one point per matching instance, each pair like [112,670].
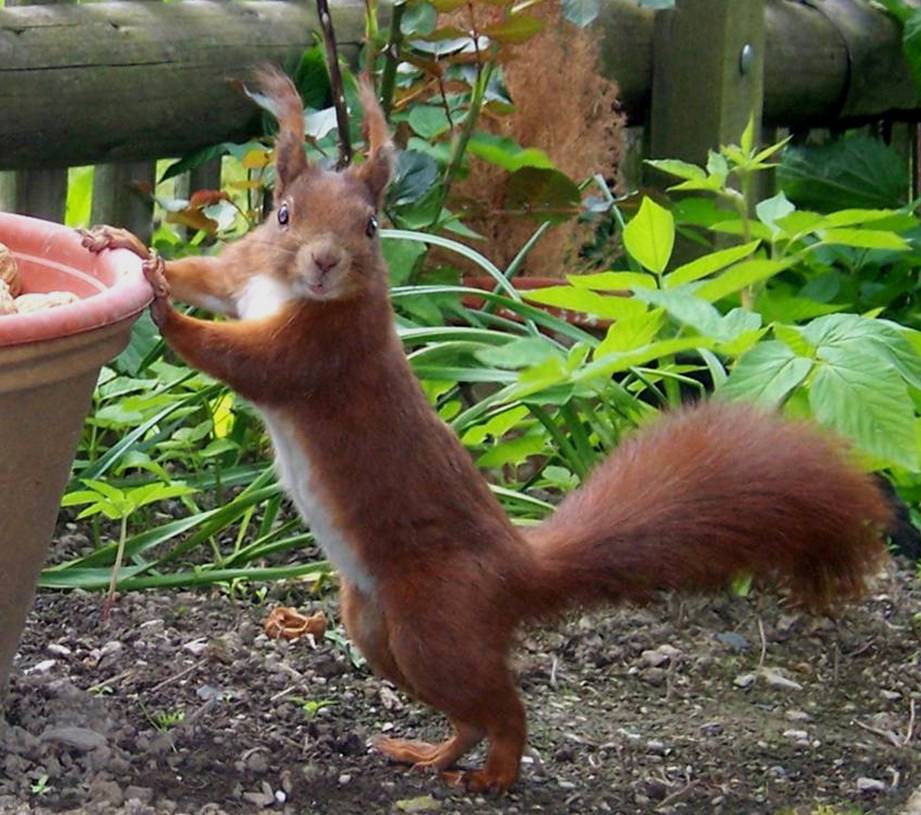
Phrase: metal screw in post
[746,58]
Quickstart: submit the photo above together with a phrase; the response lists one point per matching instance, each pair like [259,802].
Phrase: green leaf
[747,142]
[866,402]
[312,79]
[708,264]
[420,18]
[792,337]
[506,153]
[586,301]
[734,226]
[401,257]
[414,175]
[631,333]
[515,29]
[854,172]
[852,332]
[857,217]
[581,12]
[194,159]
[771,210]
[741,276]
[429,121]
[497,426]
[865,239]
[650,236]
[548,194]
[612,281]
[145,336]
[681,169]
[766,374]
[522,353]
[514,452]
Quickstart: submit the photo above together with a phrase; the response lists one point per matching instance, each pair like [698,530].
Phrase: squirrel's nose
[325,262]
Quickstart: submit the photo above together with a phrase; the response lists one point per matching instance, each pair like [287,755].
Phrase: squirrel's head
[326,223]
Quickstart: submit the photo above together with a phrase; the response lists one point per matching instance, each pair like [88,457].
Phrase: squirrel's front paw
[155,271]
[112,237]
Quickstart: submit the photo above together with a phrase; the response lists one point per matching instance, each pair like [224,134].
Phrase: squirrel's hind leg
[475,688]
[423,756]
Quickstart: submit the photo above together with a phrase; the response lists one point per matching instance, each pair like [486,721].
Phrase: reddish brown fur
[689,503]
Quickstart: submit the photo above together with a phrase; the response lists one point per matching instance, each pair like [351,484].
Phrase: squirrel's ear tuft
[377,168]
[277,94]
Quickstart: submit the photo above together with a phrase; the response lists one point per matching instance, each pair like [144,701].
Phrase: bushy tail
[709,493]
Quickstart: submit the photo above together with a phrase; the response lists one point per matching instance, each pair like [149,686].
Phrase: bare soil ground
[182,705]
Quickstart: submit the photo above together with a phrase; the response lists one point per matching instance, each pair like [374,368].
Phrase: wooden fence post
[708,76]
[119,196]
[42,193]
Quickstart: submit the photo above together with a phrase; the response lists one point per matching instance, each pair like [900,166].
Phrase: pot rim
[57,245]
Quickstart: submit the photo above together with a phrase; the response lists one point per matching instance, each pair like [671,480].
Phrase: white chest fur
[261,296]
[295,474]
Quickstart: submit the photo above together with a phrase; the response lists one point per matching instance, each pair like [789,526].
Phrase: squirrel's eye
[283,215]
[371,228]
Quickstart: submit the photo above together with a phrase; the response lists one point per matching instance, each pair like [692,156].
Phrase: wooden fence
[120,84]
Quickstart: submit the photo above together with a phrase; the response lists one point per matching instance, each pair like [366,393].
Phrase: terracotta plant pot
[49,364]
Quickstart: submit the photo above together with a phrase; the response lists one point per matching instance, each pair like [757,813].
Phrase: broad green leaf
[419,18]
[401,257]
[681,169]
[865,239]
[857,171]
[852,332]
[857,217]
[585,301]
[506,153]
[866,402]
[741,276]
[766,374]
[612,281]
[792,337]
[103,488]
[717,166]
[708,264]
[771,210]
[650,236]
[734,226]
[799,222]
[685,308]
[546,193]
[414,175]
[631,333]
[514,452]
[497,426]
[429,121]
[521,353]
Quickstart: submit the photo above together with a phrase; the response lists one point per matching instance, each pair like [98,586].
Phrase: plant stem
[335,81]
[392,58]
[119,557]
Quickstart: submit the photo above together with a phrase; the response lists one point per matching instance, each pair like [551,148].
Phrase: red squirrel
[435,579]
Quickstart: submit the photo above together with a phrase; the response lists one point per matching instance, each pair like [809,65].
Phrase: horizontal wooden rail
[100,82]
[111,81]
[826,62]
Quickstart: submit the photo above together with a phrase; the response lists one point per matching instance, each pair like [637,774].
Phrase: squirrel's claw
[103,237]
[155,271]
